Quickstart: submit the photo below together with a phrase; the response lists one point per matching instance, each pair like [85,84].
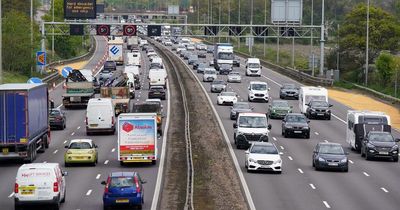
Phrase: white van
[131,84]
[158,77]
[258,91]
[253,67]
[309,93]
[133,59]
[100,116]
[40,183]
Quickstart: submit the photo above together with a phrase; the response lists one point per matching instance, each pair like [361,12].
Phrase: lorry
[115,51]
[132,42]
[223,54]
[78,90]
[24,117]
[133,59]
[157,77]
[149,107]
[120,97]
[137,138]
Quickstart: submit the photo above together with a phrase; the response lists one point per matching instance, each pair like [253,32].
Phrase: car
[379,144]
[263,156]
[39,183]
[201,67]
[250,127]
[211,62]
[180,48]
[234,77]
[279,109]
[168,43]
[81,151]
[236,61]
[196,64]
[110,65]
[157,92]
[192,59]
[225,69]
[104,75]
[289,91]
[328,155]
[174,47]
[57,119]
[239,107]
[182,53]
[318,109]
[229,98]
[217,86]
[210,49]
[295,124]
[201,46]
[123,189]
[202,54]
[190,47]
[210,74]
[258,91]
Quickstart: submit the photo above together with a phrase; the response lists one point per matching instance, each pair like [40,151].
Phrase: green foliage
[385,65]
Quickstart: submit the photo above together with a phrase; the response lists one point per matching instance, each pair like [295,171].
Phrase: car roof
[256,114]
[257,82]
[90,141]
[295,114]
[328,144]
[39,165]
[123,174]
[260,143]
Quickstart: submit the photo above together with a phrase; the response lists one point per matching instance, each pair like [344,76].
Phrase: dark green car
[279,109]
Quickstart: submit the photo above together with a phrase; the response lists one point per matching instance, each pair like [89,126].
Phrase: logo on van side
[127,127]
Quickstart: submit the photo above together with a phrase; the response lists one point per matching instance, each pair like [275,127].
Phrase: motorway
[367,185]
[84,190]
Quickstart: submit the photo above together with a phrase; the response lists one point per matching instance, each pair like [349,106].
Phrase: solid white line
[106,162]
[384,190]
[301,171]
[339,119]
[65,141]
[73,133]
[365,173]
[350,161]
[316,133]
[79,127]
[326,204]
[59,106]
[98,176]
[290,157]
[282,148]
[11,195]
[274,138]
[55,151]
[312,186]
[89,192]
[113,150]
[44,161]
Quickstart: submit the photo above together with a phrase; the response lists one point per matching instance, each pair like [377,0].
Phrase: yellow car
[81,151]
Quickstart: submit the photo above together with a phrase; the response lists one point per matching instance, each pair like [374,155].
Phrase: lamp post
[1,46]
[321,69]
[367,47]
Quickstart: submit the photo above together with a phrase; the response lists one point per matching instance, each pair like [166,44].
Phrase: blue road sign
[65,71]
[114,50]
[41,58]
[34,80]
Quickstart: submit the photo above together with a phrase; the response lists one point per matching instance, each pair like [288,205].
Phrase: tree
[385,64]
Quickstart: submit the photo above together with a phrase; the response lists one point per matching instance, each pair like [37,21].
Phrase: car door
[315,153]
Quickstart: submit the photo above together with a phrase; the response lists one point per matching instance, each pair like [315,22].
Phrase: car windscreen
[381,137]
[241,106]
[319,104]
[331,149]
[202,65]
[79,145]
[254,65]
[262,149]
[309,98]
[210,72]
[55,113]
[146,108]
[234,73]
[289,86]
[122,182]
[296,118]
[280,104]
[252,122]
[218,82]
[228,94]
[259,87]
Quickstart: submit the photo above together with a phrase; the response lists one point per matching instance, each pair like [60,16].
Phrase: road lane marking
[350,161]
[59,106]
[79,127]
[326,141]
[73,133]
[89,192]
[274,138]
[282,148]
[11,195]
[55,151]
[384,190]
[339,119]
[98,176]
[316,133]
[44,161]
[106,162]
[290,157]
[326,204]
[365,173]
[113,150]
[301,171]
[312,186]
[65,141]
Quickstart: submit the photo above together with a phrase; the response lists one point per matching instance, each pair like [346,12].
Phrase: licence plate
[320,114]
[122,201]
[79,157]
[93,125]
[333,164]
[5,151]
[290,94]
[383,153]
[297,131]
[27,193]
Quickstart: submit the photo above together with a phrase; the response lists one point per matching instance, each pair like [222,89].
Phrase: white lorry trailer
[223,54]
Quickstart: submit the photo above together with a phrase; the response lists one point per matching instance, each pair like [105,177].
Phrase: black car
[318,109]
[201,67]
[202,54]
[379,144]
[289,91]
[192,59]
[239,107]
[328,155]
[236,62]
[210,49]
[57,119]
[225,69]
[295,124]
[110,65]
[157,92]
[196,64]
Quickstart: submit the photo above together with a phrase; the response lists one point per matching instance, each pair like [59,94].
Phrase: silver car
[234,77]
[218,86]
[209,75]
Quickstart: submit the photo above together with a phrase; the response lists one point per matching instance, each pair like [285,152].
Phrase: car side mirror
[291,107]
[65,173]
[397,140]
[252,108]
[269,88]
[235,125]
[308,121]
[144,181]
[330,105]
[346,153]
[248,88]
[283,120]
[103,183]
[66,146]
[95,146]
[269,126]
[261,67]
[247,152]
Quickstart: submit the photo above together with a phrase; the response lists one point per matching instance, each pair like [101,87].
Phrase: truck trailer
[24,118]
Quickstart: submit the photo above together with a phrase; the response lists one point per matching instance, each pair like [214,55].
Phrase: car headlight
[273,110]
[91,152]
[288,126]
[343,160]
[306,128]
[278,161]
[321,159]
[69,152]
[252,160]
[369,145]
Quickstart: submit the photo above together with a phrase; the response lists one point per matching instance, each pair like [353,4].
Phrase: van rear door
[36,183]
[100,116]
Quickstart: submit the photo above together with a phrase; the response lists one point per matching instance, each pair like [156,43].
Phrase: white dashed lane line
[55,151]
[326,204]
[326,141]
[106,162]
[290,157]
[89,192]
[79,127]
[282,147]
[301,171]
[365,173]
[350,161]
[113,150]
[98,176]
[11,195]
[384,190]
[312,186]
[65,141]
[274,138]
[73,133]
[316,133]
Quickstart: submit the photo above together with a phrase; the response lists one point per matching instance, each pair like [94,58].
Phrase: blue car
[123,189]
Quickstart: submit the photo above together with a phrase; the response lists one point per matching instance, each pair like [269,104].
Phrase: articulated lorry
[115,50]
[120,97]
[223,54]
[78,90]
[24,120]
[137,138]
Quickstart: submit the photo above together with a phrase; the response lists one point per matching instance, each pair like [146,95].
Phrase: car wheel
[285,134]
[313,164]
[105,208]
[245,165]
[17,206]
[329,117]
[396,159]
[367,157]
[56,206]
[67,164]
[346,169]
[362,153]
[65,124]
[94,163]
[317,167]
[307,135]
[139,206]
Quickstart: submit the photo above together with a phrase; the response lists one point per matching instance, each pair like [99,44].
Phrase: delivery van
[253,67]
[100,116]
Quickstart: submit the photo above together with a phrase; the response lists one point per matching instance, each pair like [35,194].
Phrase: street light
[367,47]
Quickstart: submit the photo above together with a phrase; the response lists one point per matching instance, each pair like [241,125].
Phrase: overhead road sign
[80,9]
[34,80]
[76,30]
[129,30]
[103,30]
[154,30]
[41,58]
[286,11]
[66,71]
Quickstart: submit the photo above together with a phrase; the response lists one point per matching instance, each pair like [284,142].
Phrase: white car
[209,75]
[234,77]
[263,156]
[258,91]
[190,47]
[226,98]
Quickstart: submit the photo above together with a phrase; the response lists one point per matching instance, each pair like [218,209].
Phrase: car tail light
[86,121]
[59,118]
[55,187]
[106,187]
[112,120]
[137,185]
[158,119]
[16,188]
